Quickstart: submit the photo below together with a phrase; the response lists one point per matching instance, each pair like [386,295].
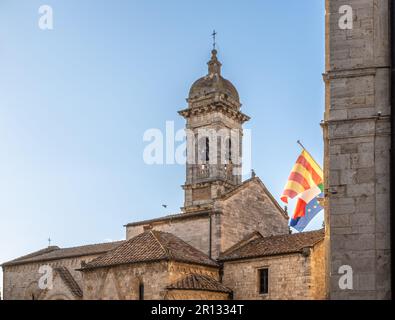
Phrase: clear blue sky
[75,102]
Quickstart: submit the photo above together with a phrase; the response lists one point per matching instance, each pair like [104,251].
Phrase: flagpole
[300,143]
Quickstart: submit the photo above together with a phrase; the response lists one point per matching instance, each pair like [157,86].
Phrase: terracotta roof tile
[69,281]
[275,245]
[56,253]
[32,255]
[199,282]
[151,246]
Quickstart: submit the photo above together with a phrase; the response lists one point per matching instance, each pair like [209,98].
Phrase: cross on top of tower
[214,38]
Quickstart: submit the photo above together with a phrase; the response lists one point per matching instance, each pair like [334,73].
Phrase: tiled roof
[199,282]
[33,254]
[56,253]
[275,245]
[151,246]
[69,281]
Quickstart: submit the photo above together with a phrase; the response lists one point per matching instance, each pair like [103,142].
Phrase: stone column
[357,148]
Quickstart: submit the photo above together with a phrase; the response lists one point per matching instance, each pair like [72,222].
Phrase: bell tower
[214,129]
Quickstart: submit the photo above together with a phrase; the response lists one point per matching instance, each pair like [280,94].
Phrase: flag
[307,207]
[305,175]
[306,183]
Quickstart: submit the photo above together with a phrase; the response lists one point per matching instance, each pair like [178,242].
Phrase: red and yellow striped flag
[305,174]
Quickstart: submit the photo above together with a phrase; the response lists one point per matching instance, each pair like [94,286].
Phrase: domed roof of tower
[213,82]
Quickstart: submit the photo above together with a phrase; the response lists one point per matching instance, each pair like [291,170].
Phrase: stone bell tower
[214,138]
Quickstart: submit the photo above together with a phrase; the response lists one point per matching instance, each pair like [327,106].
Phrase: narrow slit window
[264,281]
[230,150]
[207,149]
[141,291]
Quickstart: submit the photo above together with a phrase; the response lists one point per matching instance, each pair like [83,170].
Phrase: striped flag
[306,183]
[305,175]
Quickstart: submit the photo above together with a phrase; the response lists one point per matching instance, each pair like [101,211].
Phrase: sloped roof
[69,280]
[199,282]
[33,254]
[177,216]
[275,245]
[151,246]
[56,253]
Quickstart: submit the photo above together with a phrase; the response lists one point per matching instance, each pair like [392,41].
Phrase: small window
[141,291]
[230,150]
[263,281]
[207,149]
[204,149]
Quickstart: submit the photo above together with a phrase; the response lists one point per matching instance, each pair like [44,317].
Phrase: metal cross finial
[214,36]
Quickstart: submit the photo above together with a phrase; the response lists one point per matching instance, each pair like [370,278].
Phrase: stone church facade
[230,241]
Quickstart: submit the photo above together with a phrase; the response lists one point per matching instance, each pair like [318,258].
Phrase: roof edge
[194,289]
[178,216]
[166,259]
[223,260]
[242,243]
[21,262]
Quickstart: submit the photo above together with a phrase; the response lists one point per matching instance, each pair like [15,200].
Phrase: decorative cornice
[207,183]
[215,107]
[352,72]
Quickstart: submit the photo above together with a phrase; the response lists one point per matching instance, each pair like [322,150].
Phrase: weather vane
[214,36]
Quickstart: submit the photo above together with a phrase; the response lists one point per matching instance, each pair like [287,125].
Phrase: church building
[231,239]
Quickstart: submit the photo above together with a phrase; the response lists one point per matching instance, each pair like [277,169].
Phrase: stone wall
[318,268]
[249,209]
[357,148]
[218,122]
[289,278]
[21,281]
[194,231]
[60,291]
[123,282]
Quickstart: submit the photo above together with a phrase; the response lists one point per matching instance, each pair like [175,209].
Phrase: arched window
[141,291]
[204,149]
[230,149]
